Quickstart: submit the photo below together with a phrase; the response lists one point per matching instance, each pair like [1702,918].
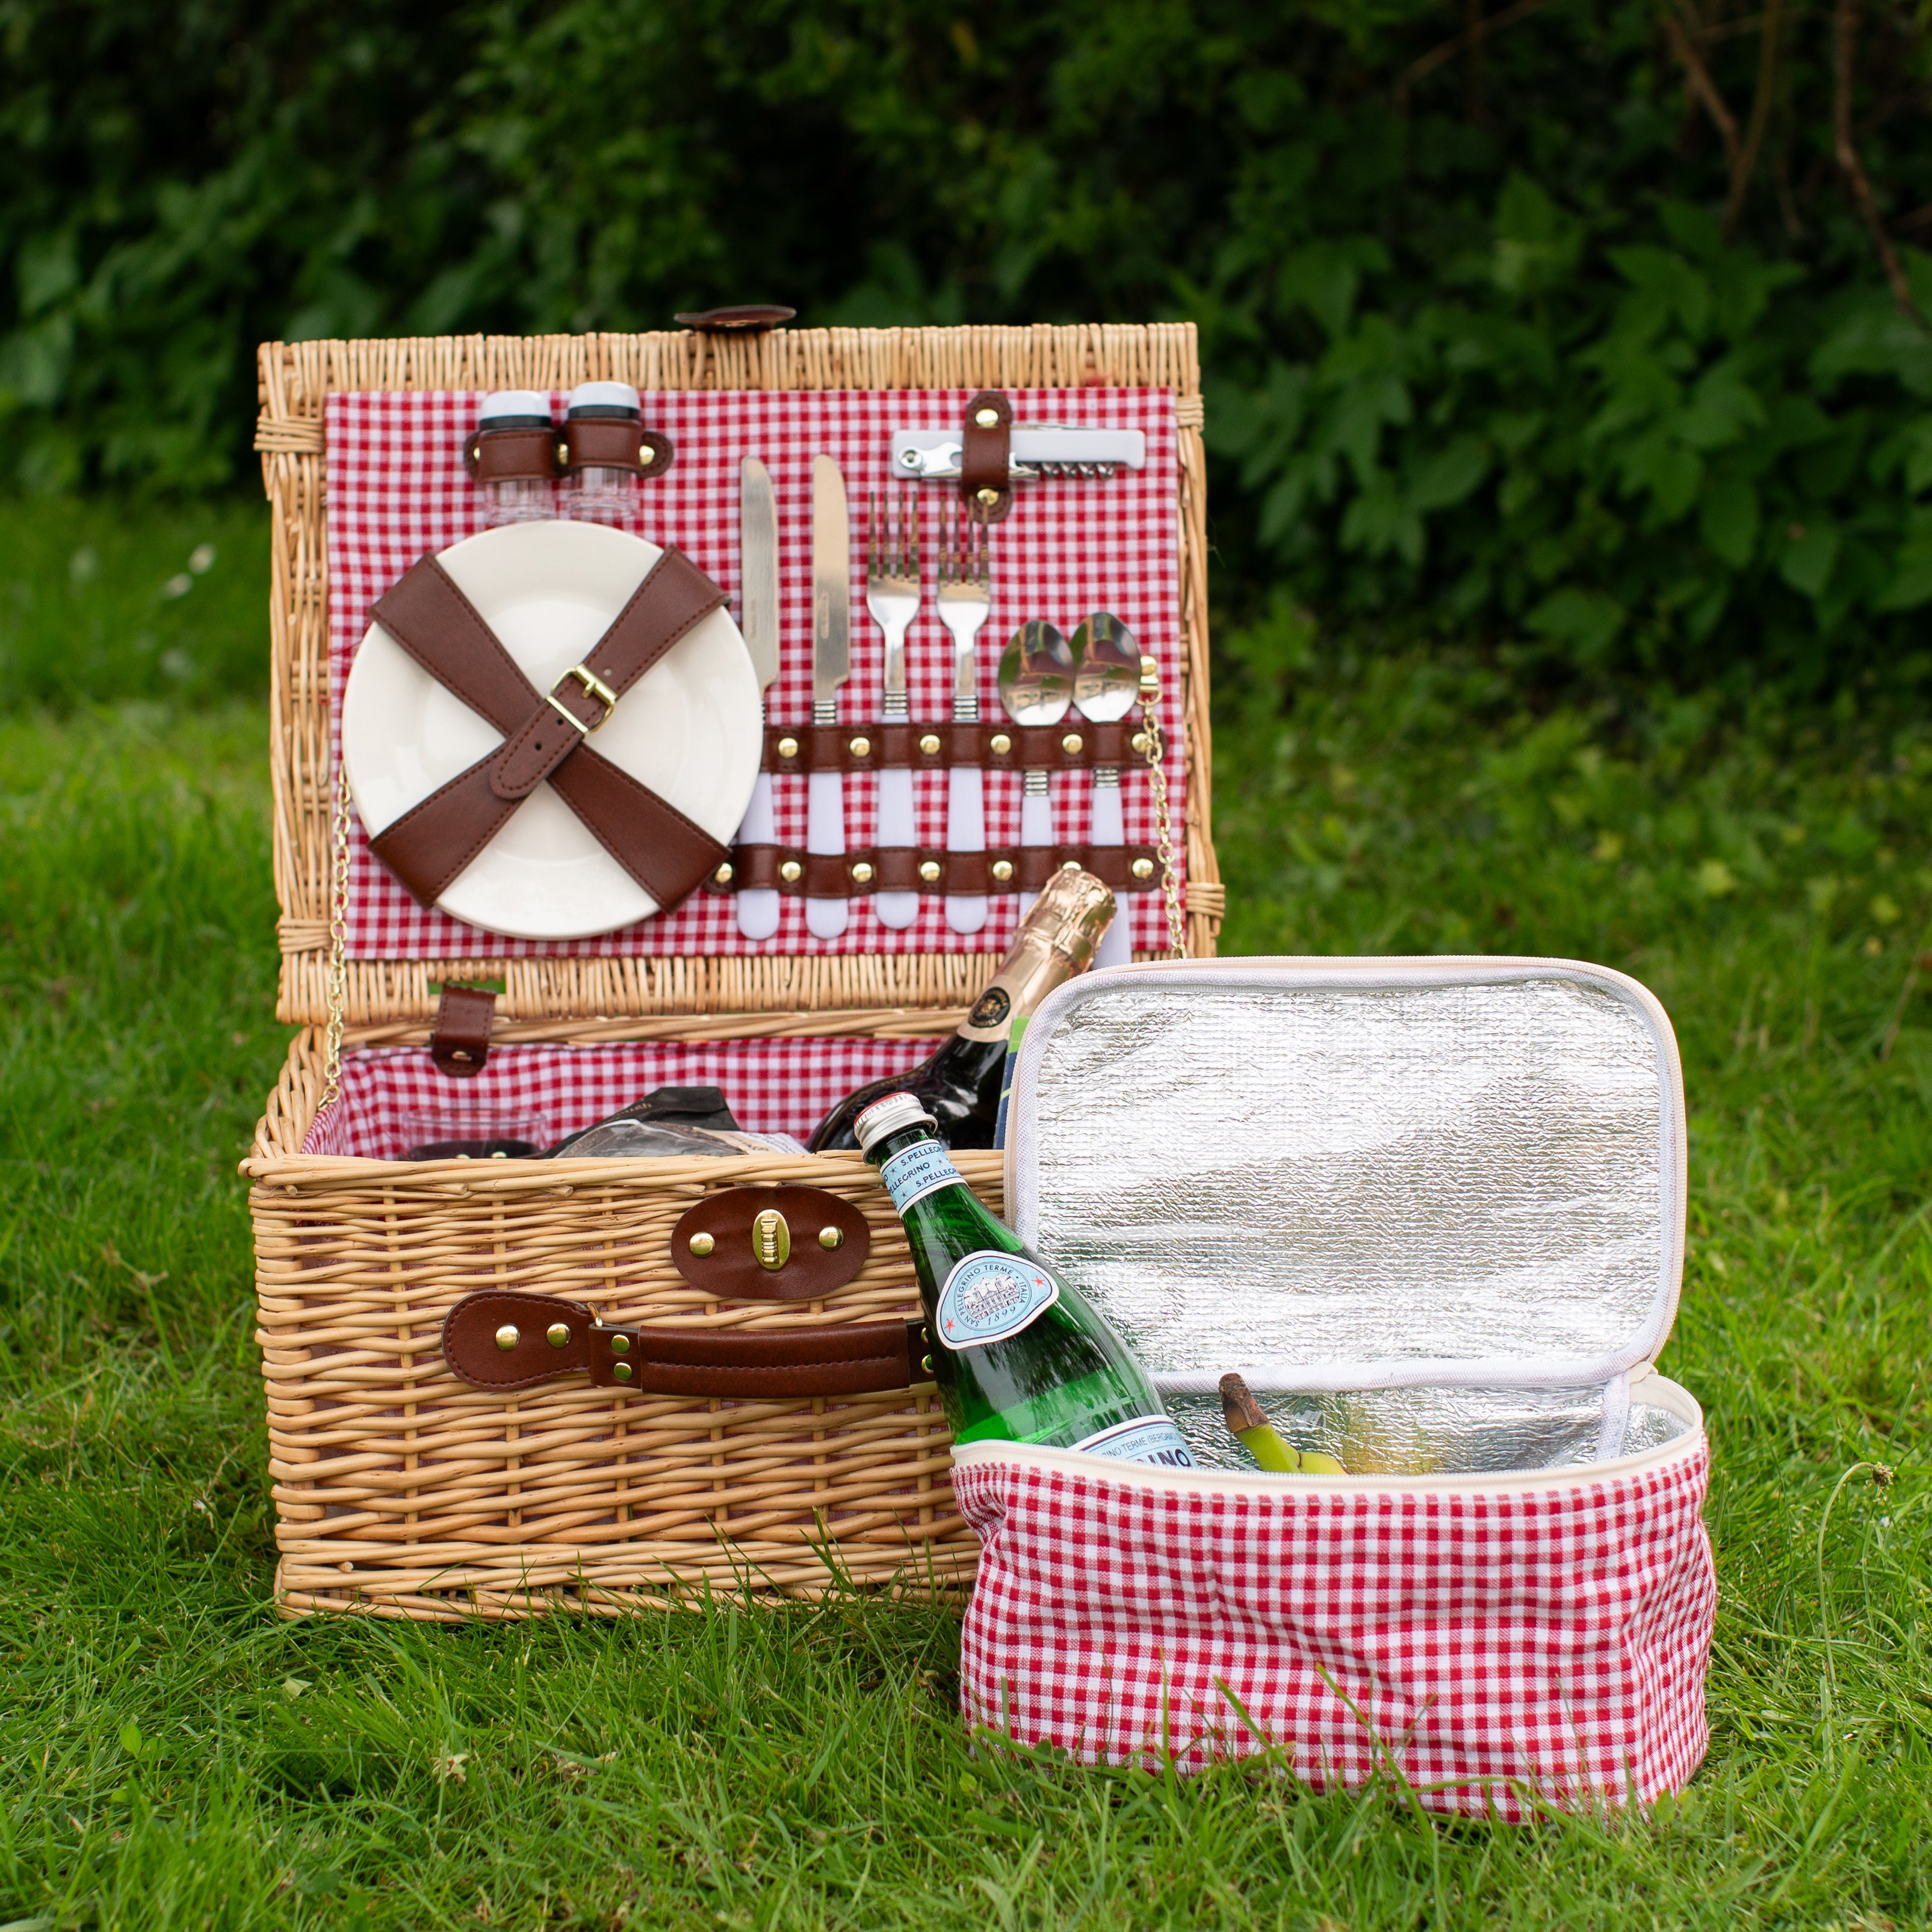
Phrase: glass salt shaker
[606,448]
[512,457]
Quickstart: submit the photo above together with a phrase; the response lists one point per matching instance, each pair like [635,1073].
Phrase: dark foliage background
[1589,329]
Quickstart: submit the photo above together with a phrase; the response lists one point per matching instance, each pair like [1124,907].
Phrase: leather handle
[500,1341]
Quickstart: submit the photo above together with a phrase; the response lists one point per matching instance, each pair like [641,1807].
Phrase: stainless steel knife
[757,909]
[831,665]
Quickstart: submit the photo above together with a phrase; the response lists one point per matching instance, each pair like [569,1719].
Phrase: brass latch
[771,1239]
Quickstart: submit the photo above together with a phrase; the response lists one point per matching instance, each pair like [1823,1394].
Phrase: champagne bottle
[1018,1356]
[960,1085]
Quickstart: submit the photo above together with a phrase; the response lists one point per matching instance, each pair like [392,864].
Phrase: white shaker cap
[605,396]
[502,403]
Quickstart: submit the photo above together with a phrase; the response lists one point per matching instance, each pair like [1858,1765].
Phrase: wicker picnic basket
[400,1489]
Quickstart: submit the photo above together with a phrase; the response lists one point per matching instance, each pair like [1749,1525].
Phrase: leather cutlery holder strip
[923,869]
[994,747]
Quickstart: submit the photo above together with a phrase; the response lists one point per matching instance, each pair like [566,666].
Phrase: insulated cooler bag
[1432,1210]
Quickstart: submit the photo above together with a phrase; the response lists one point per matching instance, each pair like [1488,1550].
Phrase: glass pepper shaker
[606,448]
[511,456]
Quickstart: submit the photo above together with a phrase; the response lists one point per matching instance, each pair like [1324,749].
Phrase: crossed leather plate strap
[544,734]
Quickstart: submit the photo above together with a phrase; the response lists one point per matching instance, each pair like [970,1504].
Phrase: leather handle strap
[498,1340]
[436,626]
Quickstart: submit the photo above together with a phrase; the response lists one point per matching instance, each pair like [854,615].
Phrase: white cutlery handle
[757,909]
[825,832]
[1117,943]
[965,831]
[1036,829]
[896,827]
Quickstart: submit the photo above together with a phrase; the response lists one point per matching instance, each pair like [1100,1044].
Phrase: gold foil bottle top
[1073,911]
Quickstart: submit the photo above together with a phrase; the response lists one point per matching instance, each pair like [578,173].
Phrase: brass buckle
[598,689]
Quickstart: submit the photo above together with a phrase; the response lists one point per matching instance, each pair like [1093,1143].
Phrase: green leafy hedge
[1574,325]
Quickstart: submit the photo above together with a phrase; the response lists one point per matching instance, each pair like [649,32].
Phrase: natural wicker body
[398,1489]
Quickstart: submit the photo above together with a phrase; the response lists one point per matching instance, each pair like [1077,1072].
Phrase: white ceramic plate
[689,728]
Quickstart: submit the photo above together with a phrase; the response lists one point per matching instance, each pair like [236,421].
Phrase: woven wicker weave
[401,1491]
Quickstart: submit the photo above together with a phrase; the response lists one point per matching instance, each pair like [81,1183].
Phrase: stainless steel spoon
[1105,686]
[1036,685]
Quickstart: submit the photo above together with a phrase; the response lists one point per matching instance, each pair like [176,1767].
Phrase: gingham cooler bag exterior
[1432,1210]
[1498,1646]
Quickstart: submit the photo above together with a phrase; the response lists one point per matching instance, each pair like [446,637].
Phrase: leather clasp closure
[595,687]
[460,1042]
[782,1243]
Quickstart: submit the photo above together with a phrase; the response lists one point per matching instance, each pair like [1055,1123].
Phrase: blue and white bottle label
[916,1171]
[1149,1439]
[989,1296]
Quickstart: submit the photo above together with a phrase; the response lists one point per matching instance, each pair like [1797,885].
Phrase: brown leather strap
[997,745]
[460,1043]
[511,455]
[985,482]
[497,1339]
[742,319]
[616,443]
[429,616]
[860,873]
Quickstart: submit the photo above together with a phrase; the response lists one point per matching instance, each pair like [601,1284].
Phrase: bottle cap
[514,409]
[887,1116]
[1073,910]
[605,399]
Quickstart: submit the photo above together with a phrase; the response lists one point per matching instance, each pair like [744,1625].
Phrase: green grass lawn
[174,1754]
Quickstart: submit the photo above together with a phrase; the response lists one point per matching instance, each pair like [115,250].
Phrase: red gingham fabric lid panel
[1503,1651]
[393,1098]
[398,489]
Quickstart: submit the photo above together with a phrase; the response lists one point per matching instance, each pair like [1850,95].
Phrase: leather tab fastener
[985,483]
[460,1043]
[742,319]
[498,1340]
[616,443]
[724,1244]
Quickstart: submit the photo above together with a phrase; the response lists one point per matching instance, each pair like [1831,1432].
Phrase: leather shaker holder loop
[985,483]
[771,1244]
[460,1042]
[500,1341]
[511,455]
[615,442]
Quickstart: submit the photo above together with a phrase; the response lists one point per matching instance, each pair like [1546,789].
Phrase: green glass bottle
[1018,1356]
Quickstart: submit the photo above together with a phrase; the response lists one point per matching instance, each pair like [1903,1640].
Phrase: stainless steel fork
[965,601]
[891,595]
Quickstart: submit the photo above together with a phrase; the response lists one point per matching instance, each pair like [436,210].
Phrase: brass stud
[702,1244]
[623,1372]
[507,1337]
[925,1363]
[1138,743]
[563,456]
[791,871]
[1142,868]
[862,747]
[1002,870]
[558,1335]
[862,873]
[1073,744]
[787,748]
[989,497]
[928,870]
[988,418]
[620,1344]
[723,875]
[646,455]
[1002,744]
[831,1238]
[1069,865]
[929,744]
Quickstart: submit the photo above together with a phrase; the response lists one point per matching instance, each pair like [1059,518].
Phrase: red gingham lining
[773,1086]
[1506,1651]
[396,489]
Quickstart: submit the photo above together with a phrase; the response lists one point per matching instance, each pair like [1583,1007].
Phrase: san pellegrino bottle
[1018,1356]
[961,1084]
